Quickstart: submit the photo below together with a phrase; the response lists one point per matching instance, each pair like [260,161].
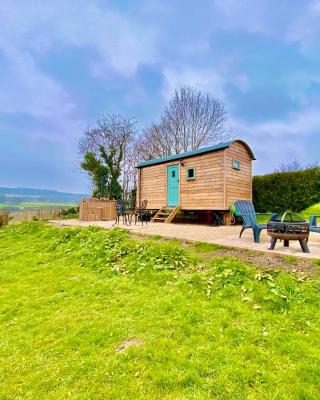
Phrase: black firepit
[288,226]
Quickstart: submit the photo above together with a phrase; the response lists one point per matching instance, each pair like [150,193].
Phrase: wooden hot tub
[93,209]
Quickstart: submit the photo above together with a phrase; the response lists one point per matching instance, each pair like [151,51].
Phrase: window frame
[236,165]
[187,173]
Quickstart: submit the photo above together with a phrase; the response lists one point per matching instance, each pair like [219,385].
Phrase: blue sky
[65,63]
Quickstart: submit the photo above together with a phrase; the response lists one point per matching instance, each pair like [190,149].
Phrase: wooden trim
[194,173]
[224,177]
[139,199]
[179,169]
[236,164]
[167,182]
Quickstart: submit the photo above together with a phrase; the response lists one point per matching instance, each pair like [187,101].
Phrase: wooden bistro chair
[245,210]
[122,210]
[141,213]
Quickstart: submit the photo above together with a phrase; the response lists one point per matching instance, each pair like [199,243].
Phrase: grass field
[313,210]
[35,204]
[95,314]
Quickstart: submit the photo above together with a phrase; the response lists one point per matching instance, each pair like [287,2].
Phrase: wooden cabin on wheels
[198,182]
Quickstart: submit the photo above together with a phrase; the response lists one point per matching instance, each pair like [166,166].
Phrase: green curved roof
[209,149]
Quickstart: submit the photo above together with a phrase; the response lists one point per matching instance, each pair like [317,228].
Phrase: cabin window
[191,173]
[235,164]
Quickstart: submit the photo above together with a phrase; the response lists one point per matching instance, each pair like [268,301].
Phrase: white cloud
[305,28]
[247,15]
[288,21]
[31,30]
[122,43]
[202,79]
[297,124]
[280,141]
[25,89]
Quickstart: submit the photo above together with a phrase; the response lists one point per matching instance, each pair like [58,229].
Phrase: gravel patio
[223,235]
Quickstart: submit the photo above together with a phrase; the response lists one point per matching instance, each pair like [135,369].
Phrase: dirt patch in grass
[287,263]
[129,343]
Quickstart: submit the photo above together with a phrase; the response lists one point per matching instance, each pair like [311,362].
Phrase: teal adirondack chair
[245,210]
[313,224]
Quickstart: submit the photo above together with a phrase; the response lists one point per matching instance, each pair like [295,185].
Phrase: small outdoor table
[288,226]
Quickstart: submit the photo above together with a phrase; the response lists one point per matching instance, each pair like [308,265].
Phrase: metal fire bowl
[288,230]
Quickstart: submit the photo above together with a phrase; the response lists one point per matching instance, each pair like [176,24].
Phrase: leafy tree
[113,159]
[105,171]
[96,171]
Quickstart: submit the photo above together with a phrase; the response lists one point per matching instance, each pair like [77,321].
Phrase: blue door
[173,185]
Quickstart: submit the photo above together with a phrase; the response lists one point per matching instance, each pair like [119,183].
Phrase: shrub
[282,191]
[71,212]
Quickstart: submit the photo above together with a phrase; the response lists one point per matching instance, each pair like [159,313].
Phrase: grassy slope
[211,329]
[313,210]
[36,204]
[44,204]
[7,205]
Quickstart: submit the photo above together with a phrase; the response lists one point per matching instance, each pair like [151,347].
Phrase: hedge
[281,191]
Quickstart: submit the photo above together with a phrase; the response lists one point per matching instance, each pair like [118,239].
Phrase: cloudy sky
[65,63]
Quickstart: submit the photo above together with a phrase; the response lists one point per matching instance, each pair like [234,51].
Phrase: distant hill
[18,195]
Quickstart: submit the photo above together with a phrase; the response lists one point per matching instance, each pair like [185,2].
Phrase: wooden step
[172,215]
[165,215]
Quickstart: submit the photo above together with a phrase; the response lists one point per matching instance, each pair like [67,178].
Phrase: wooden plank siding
[206,191]
[203,193]
[215,187]
[153,185]
[238,182]
[97,210]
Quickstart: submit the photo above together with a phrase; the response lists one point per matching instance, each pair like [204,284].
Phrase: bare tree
[294,165]
[156,141]
[111,129]
[116,135]
[190,121]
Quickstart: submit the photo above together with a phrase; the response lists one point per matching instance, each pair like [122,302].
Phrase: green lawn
[35,204]
[204,326]
[8,205]
[38,204]
[313,210]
